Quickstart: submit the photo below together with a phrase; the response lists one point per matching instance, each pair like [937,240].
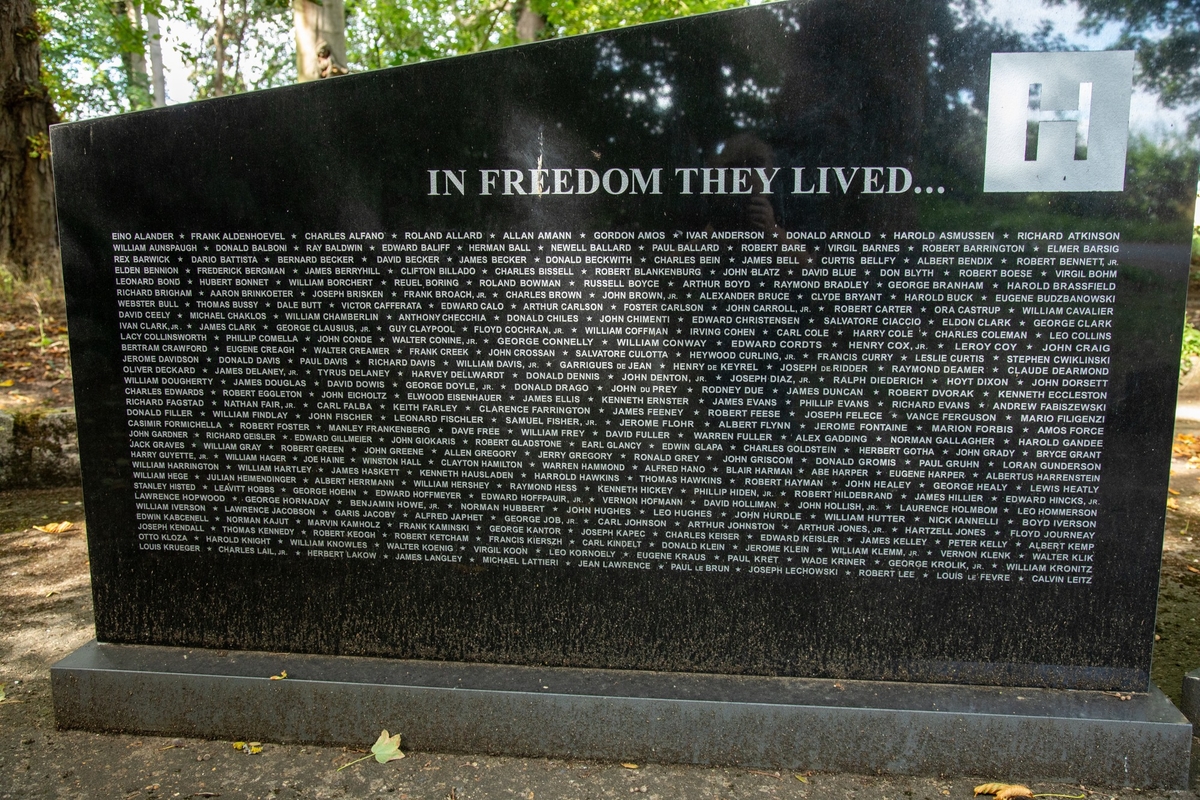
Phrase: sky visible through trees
[88,47]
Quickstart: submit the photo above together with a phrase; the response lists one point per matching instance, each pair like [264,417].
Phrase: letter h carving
[1081,116]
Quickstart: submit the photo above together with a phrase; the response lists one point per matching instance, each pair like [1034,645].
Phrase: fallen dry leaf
[385,749]
[1172,504]
[1173,491]
[281,676]
[1190,568]
[1186,446]
[56,527]
[1003,790]
[629,765]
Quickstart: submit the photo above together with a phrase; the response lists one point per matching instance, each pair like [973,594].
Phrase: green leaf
[387,748]
[1191,347]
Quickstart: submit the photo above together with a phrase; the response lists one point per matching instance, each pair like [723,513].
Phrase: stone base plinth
[775,723]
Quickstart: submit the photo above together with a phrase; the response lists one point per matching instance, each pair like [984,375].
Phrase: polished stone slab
[1191,696]
[840,485]
[782,723]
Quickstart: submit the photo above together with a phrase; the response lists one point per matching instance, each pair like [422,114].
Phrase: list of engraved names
[889,405]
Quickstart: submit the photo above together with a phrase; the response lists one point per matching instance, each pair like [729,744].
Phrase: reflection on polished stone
[698,346]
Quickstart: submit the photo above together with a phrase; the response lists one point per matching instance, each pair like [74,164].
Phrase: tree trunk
[135,63]
[529,23]
[218,82]
[158,79]
[320,38]
[28,240]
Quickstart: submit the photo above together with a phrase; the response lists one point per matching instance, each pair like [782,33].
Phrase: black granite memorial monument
[764,349]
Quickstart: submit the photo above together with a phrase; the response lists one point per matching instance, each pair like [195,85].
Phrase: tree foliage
[1166,36]
[384,33]
[86,56]
[90,49]
[1159,178]
[381,33]
[570,17]
[237,45]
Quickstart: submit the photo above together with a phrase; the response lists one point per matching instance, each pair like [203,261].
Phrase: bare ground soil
[1177,632]
[35,361]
